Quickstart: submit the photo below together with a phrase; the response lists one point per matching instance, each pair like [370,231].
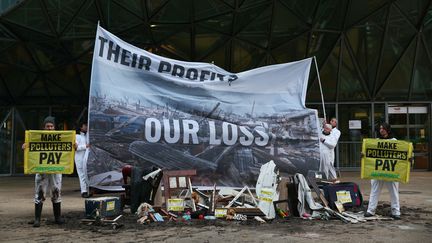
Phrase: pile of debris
[273,197]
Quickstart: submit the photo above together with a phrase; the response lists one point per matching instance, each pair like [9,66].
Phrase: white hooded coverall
[393,188]
[45,183]
[327,156]
[81,155]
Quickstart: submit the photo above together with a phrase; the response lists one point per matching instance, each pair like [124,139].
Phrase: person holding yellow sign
[376,185]
[45,183]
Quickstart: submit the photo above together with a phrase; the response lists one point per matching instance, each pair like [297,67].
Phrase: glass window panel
[24,33]
[365,41]
[397,114]
[331,14]
[397,85]
[180,44]
[292,50]
[304,9]
[86,58]
[328,75]
[360,113]
[31,16]
[18,80]
[245,56]
[62,12]
[379,116]
[84,75]
[258,29]
[6,5]
[219,24]
[5,93]
[400,132]
[361,9]
[5,141]
[427,29]
[349,154]
[18,55]
[174,12]
[350,140]
[83,25]
[77,47]
[64,81]
[330,110]
[286,26]
[48,54]
[144,38]
[208,8]
[398,37]
[220,57]
[419,133]
[350,87]
[418,119]
[162,32]
[67,117]
[322,44]
[32,117]
[421,88]
[117,17]
[207,41]
[398,121]
[38,88]
[5,36]
[153,6]
[247,14]
[413,9]
[135,6]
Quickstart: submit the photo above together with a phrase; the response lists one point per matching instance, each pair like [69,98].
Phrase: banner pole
[319,82]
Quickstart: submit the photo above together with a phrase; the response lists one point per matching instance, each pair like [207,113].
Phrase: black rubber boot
[38,212]
[57,213]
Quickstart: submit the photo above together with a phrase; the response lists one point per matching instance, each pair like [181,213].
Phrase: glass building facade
[374,58]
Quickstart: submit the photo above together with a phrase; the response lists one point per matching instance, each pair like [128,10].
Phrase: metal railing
[349,155]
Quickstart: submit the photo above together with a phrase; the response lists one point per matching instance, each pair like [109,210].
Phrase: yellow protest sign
[49,152]
[176,204]
[386,159]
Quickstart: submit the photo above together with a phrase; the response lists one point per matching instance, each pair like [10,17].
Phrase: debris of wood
[240,194]
[103,222]
[249,212]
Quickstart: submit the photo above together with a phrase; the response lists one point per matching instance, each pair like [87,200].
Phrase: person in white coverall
[47,183]
[335,133]
[327,145]
[376,185]
[82,149]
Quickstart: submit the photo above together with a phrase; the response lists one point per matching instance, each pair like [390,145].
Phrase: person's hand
[87,145]
[362,155]
[75,146]
[24,146]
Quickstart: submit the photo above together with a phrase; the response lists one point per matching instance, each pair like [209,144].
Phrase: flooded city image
[225,148]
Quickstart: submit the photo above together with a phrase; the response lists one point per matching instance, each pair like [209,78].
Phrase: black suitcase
[348,193]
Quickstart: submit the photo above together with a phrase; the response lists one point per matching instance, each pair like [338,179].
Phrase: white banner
[148,110]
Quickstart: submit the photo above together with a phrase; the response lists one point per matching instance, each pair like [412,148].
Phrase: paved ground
[16,209]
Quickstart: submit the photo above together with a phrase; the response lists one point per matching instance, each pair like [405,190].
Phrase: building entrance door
[412,123]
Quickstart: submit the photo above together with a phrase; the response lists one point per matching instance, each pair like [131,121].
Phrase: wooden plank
[312,182]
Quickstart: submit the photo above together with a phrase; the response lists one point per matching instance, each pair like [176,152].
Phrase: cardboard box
[105,206]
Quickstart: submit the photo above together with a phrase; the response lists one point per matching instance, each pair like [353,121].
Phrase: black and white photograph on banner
[183,115]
